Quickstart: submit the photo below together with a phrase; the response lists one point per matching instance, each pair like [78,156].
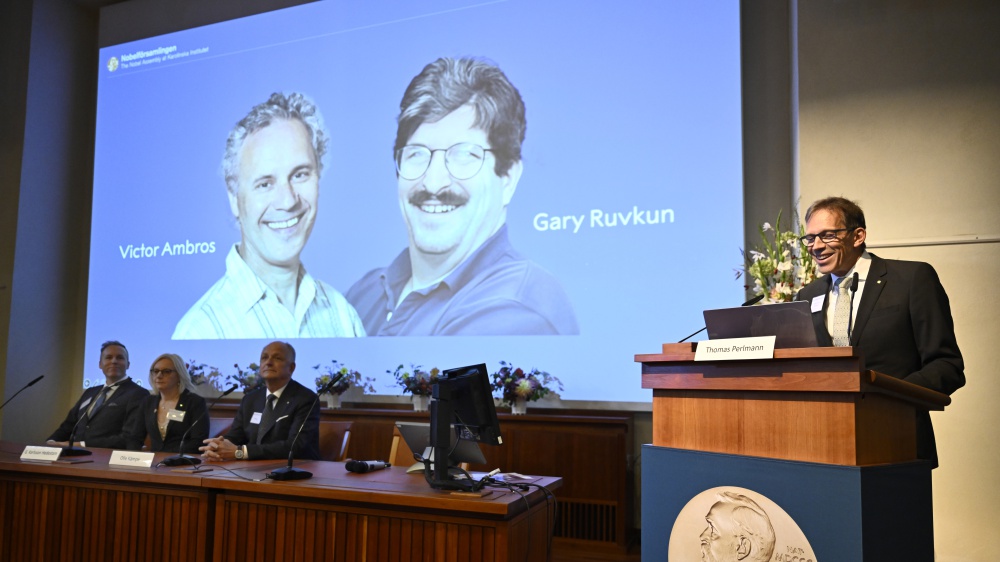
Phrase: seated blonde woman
[173,409]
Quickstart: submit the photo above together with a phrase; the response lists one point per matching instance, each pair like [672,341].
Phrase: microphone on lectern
[850,314]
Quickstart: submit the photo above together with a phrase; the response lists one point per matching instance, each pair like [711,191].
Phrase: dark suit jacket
[109,425]
[195,419]
[903,329]
[297,403]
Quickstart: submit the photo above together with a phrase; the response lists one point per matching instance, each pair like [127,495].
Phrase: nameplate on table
[761,347]
[35,453]
[131,458]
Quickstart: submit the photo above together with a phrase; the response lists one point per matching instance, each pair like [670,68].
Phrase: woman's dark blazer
[144,424]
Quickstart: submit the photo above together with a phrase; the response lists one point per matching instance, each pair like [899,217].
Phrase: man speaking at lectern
[895,313]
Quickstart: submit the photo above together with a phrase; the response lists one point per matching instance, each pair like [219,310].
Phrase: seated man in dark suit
[264,427]
[101,416]
[895,313]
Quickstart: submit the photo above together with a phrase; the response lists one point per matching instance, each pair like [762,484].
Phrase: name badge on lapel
[175,415]
[256,417]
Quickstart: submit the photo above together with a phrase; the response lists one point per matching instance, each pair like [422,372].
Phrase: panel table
[52,511]
[591,450]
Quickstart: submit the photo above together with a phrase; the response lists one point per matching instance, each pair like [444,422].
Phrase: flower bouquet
[202,374]
[781,267]
[516,387]
[349,379]
[248,379]
[419,384]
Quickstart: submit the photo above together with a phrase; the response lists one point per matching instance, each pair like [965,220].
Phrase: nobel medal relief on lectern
[732,524]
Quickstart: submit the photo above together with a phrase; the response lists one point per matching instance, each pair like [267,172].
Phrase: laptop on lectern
[789,322]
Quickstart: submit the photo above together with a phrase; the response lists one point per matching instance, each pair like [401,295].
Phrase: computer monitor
[463,398]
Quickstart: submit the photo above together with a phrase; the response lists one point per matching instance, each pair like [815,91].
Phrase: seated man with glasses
[458,162]
[895,313]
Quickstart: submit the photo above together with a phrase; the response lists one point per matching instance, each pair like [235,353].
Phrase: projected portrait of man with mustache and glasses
[458,162]
[272,167]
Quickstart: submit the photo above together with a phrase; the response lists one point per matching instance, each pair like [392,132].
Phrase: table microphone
[180,458]
[750,302]
[289,473]
[362,467]
[40,377]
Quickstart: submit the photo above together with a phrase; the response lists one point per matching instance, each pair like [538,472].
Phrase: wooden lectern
[806,404]
[833,445]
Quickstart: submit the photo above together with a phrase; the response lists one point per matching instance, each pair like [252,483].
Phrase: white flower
[782,268]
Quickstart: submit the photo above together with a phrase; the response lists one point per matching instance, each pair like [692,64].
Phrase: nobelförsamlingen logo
[113,64]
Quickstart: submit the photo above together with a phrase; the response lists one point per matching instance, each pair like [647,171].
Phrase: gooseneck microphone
[70,450]
[288,472]
[850,313]
[750,302]
[40,377]
[362,467]
[180,459]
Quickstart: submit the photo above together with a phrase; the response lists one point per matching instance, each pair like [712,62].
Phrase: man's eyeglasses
[826,236]
[462,160]
[164,372]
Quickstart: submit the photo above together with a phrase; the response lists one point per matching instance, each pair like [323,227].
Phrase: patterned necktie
[267,419]
[98,402]
[842,314]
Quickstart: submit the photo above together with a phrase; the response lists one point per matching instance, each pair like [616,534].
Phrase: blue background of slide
[629,105]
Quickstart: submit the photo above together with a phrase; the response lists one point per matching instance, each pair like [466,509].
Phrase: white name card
[33,453]
[736,348]
[131,458]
